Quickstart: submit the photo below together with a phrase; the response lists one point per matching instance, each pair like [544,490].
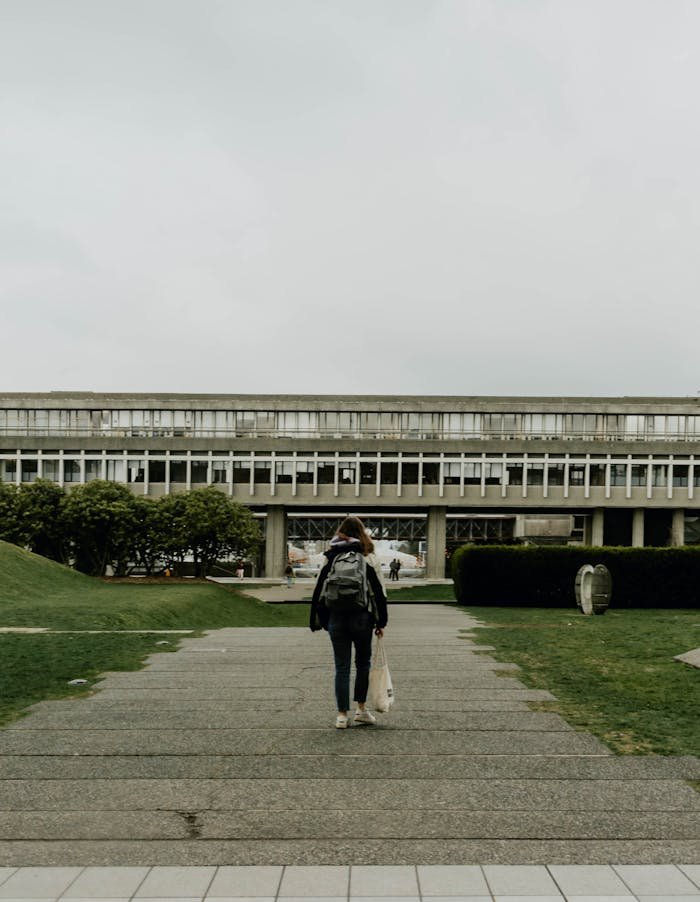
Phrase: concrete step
[349,767]
[370,851]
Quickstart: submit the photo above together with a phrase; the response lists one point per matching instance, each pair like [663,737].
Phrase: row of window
[347,424]
[377,471]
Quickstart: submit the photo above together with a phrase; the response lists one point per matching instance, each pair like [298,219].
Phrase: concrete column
[678,528]
[597,526]
[638,528]
[275,540]
[588,531]
[437,540]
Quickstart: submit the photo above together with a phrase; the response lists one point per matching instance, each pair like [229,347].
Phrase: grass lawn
[612,675]
[420,593]
[35,592]
[39,666]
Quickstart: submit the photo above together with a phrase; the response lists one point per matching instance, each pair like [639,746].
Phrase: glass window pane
[115,470]
[199,471]
[30,470]
[241,471]
[178,471]
[156,470]
[71,470]
[555,474]
[93,470]
[326,472]
[262,471]
[8,470]
[136,470]
[284,471]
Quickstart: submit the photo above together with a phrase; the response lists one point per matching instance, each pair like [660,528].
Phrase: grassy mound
[37,592]
[26,576]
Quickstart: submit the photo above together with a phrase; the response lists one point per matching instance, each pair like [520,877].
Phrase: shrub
[544,576]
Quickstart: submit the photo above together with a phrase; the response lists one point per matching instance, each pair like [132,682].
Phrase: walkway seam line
[279,885]
[145,877]
[213,878]
[62,894]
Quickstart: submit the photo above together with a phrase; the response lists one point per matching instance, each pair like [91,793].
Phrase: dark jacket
[320,613]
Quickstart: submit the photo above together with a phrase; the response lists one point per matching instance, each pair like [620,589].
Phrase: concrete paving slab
[348,767]
[539,897]
[692,897]
[655,879]
[80,824]
[97,899]
[523,880]
[597,898]
[479,898]
[280,795]
[245,881]
[380,740]
[692,872]
[467,824]
[121,709]
[176,882]
[367,880]
[484,678]
[100,883]
[452,880]
[591,880]
[241,898]
[222,692]
[319,898]
[690,657]
[39,882]
[333,852]
[85,824]
[312,882]
[307,718]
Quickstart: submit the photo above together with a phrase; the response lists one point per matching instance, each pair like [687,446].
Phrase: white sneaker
[341,722]
[364,716]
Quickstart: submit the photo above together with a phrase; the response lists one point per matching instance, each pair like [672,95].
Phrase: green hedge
[544,576]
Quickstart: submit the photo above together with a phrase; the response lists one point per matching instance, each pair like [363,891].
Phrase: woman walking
[349,617]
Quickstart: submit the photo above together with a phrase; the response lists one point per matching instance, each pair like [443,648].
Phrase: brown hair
[354,528]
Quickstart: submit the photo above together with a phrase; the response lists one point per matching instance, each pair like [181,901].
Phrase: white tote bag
[380,696]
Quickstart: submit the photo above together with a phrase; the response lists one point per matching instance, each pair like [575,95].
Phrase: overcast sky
[367,196]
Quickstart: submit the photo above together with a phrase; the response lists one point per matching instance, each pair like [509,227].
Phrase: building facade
[427,473]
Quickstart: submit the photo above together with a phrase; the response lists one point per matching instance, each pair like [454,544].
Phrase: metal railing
[402,435]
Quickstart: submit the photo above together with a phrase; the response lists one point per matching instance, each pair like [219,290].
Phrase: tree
[209,526]
[100,519]
[149,540]
[42,524]
[9,514]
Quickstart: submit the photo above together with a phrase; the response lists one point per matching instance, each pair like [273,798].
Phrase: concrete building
[427,473]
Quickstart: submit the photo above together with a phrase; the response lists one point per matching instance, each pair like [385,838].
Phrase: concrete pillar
[638,528]
[275,540]
[437,542]
[597,527]
[678,528]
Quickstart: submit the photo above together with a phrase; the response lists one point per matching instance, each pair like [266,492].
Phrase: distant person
[349,617]
[396,570]
[289,573]
[240,570]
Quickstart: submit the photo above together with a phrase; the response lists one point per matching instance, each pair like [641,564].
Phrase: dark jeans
[346,630]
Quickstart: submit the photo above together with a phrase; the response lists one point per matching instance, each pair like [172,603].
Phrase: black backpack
[346,586]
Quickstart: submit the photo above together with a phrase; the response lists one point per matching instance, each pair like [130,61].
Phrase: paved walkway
[223,755]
